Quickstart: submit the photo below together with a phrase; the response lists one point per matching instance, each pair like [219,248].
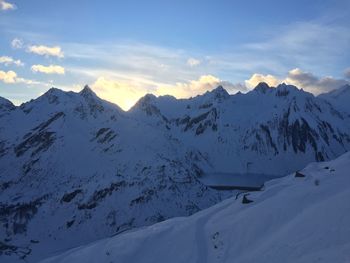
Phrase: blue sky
[124,49]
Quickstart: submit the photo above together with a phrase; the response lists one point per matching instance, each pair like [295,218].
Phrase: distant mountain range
[75,168]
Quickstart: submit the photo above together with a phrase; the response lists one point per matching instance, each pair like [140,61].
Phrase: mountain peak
[220,90]
[286,86]
[87,92]
[262,87]
[145,102]
[284,89]
[53,95]
[53,91]
[149,97]
[218,93]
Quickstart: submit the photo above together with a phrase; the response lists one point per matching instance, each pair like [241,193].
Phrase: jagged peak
[144,101]
[284,89]
[53,95]
[53,91]
[262,87]
[220,91]
[217,93]
[87,92]
[283,85]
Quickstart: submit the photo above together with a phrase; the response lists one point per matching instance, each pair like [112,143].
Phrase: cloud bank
[301,79]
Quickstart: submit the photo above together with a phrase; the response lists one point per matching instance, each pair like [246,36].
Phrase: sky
[125,49]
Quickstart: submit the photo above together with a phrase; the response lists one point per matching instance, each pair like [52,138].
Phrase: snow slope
[294,219]
[339,97]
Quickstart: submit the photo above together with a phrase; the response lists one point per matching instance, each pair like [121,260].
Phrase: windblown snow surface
[293,219]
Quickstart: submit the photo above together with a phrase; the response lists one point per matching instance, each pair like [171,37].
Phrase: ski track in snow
[202,240]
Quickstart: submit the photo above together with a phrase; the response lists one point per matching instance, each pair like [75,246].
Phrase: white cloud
[11,77]
[257,78]
[55,51]
[192,62]
[6,5]
[17,43]
[8,61]
[51,69]
[8,77]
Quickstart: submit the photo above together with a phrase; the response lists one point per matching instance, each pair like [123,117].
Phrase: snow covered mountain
[339,97]
[75,168]
[266,131]
[303,217]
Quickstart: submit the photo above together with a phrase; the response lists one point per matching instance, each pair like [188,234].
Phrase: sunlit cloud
[54,51]
[9,60]
[11,77]
[301,79]
[8,77]
[51,69]
[119,92]
[257,78]
[17,43]
[4,6]
[126,93]
[196,87]
[192,62]
[312,83]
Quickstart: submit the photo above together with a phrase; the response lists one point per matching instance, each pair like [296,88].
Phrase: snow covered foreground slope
[294,219]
